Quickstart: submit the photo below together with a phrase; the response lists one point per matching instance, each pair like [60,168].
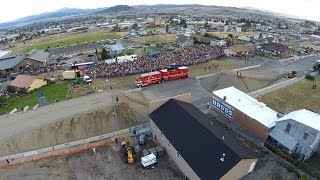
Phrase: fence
[69,147]
[275,86]
[285,155]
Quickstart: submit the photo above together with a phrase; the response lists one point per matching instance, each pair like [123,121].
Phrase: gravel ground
[106,163]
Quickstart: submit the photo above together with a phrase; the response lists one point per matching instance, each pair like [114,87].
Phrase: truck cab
[87,79]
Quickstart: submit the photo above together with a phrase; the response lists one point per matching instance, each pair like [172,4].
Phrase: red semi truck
[157,77]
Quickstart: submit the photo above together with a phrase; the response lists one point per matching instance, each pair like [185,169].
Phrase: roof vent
[224,98]
[222,157]
[239,100]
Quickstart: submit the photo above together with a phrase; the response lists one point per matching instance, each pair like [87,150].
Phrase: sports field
[65,39]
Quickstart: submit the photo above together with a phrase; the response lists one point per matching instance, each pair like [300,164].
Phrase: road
[24,122]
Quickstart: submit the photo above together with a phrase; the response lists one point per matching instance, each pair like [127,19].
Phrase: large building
[275,49]
[199,145]
[34,58]
[298,132]
[236,107]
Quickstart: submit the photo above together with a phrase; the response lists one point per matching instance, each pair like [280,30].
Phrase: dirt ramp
[82,126]
[246,83]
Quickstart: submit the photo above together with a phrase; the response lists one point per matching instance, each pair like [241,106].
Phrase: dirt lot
[106,163]
[268,168]
[246,84]
[295,97]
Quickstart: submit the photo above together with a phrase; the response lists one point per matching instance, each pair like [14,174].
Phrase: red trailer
[161,76]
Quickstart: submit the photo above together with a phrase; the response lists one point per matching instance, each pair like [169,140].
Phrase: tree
[185,25]
[206,24]
[135,26]
[104,54]
[167,28]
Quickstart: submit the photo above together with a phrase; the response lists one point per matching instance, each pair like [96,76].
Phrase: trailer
[148,160]
[70,75]
[157,77]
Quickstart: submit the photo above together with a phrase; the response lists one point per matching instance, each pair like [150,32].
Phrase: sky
[14,9]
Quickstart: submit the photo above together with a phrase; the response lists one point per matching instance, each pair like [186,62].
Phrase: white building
[218,43]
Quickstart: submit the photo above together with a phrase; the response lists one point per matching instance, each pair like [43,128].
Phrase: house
[236,107]
[298,132]
[184,41]
[237,50]
[218,43]
[26,83]
[275,49]
[199,145]
[260,27]
[245,38]
[235,28]
[38,58]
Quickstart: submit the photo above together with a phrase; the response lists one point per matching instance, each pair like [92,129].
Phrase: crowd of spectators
[193,55]
[189,56]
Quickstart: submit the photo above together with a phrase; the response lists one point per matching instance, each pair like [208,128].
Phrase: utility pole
[114,115]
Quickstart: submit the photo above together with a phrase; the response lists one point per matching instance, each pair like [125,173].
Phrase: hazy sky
[13,9]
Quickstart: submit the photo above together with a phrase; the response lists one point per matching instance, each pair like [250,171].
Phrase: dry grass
[225,34]
[154,39]
[295,97]
[223,64]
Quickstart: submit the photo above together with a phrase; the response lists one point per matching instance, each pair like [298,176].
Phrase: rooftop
[23,81]
[37,55]
[11,62]
[200,140]
[248,105]
[304,116]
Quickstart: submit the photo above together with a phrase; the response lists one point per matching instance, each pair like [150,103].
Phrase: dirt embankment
[246,83]
[130,111]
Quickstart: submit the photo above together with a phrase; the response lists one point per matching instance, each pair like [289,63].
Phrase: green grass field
[58,91]
[295,97]
[68,39]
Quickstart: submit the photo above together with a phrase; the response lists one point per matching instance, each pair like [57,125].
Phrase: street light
[114,115]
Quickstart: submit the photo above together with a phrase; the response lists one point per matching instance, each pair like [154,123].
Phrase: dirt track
[247,83]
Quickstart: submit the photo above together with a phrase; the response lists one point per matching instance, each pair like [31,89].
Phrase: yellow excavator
[291,74]
[129,152]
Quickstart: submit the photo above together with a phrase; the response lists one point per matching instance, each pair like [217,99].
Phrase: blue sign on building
[222,106]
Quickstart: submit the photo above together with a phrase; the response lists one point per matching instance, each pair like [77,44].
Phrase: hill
[118,8]
[64,12]
[167,6]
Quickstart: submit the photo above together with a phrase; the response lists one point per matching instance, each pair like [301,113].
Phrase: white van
[148,160]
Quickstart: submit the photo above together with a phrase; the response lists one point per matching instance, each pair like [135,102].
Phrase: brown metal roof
[23,81]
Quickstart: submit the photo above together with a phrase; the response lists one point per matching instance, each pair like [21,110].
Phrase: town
[160,92]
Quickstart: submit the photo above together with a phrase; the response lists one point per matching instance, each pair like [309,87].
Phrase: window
[178,155]
[305,136]
[288,128]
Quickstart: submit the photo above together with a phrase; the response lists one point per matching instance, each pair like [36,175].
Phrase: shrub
[310,77]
